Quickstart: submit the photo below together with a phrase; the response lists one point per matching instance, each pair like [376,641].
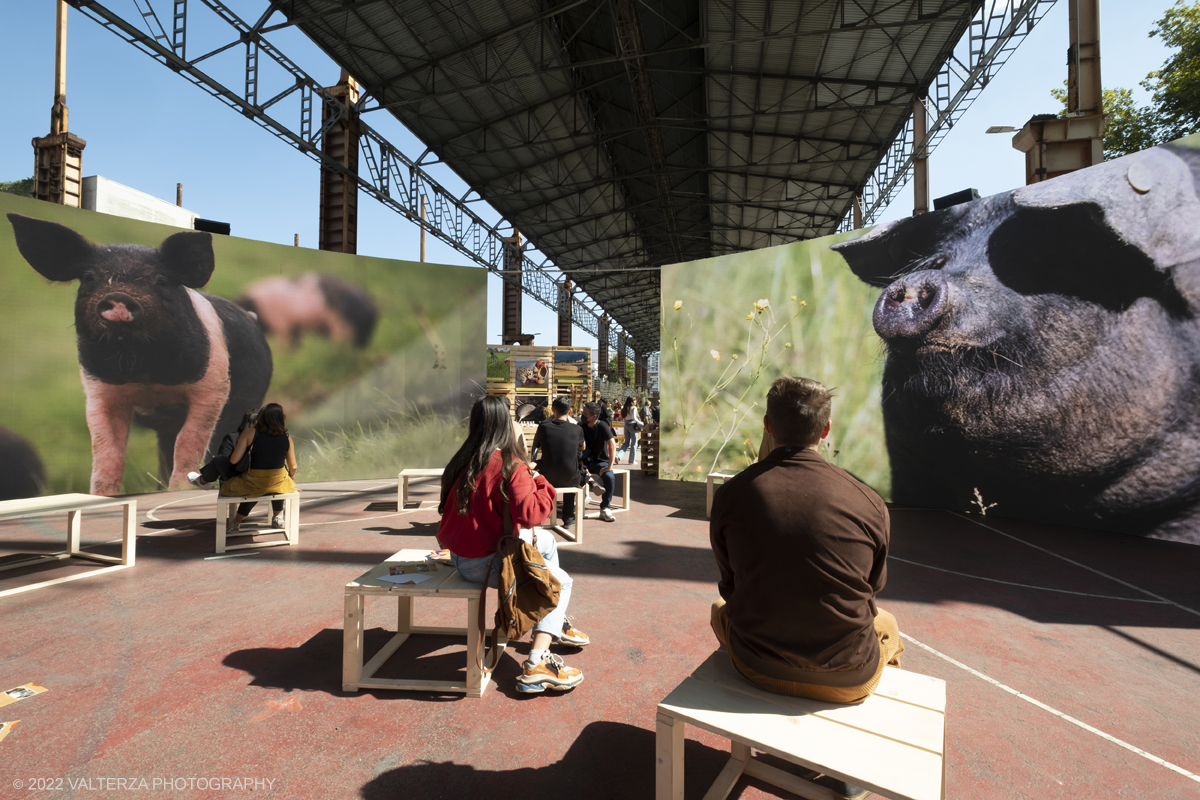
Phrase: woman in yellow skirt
[272,455]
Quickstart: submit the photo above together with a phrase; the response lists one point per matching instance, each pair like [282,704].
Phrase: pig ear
[188,258]
[888,251]
[54,250]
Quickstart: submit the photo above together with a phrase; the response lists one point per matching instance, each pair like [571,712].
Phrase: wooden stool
[712,489]
[290,529]
[445,582]
[573,536]
[402,481]
[73,505]
[893,743]
[625,498]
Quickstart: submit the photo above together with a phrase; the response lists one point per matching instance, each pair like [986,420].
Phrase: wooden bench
[574,536]
[625,498]
[892,744]
[74,505]
[402,484]
[290,529]
[712,489]
[444,583]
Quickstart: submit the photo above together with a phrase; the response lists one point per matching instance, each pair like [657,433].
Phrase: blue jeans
[630,441]
[609,479]
[476,570]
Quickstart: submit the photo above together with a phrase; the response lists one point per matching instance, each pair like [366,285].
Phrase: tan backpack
[528,591]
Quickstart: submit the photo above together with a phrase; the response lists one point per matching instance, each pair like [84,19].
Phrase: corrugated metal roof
[626,134]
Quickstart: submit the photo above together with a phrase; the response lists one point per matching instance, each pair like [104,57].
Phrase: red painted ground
[182,668]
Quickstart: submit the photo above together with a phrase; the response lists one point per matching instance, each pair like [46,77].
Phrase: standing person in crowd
[487,472]
[801,547]
[272,455]
[599,455]
[606,414]
[557,445]
[633,424]
[219,467]
[646,418]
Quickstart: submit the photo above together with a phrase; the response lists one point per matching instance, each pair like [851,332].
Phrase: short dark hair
[798,410]
[592,408]
[561,405]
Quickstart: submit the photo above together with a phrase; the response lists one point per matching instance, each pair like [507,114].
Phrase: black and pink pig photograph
[131,349]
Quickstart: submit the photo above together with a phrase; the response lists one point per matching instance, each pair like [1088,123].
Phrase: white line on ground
[1056,712]
[1025,585]
[1076,563]
[230,555]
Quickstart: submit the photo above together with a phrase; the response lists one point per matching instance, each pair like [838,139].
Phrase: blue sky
[148,128]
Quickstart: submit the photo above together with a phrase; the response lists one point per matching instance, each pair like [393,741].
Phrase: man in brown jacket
[802,550]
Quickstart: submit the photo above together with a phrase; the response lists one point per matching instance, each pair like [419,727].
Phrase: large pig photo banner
[1036,353]
[131,348]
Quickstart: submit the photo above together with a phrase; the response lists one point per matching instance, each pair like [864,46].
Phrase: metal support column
[621,357]
[858,212]
[511,302]
[920,127]
[58,158]
[564,314]
[339,187]
[1085,96]
[602,370]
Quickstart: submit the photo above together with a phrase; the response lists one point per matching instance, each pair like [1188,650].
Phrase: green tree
[612,369]
[1176,86]
[1174,109]
[23,188]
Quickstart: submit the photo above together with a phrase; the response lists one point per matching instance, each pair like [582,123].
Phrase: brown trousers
[890,648]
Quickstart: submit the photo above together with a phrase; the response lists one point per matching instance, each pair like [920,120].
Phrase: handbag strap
[481,615]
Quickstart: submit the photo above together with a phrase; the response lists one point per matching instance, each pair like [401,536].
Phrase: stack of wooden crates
[649,443]
[537,375]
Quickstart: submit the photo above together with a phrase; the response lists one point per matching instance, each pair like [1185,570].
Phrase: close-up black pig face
[152,349]
[1043,348]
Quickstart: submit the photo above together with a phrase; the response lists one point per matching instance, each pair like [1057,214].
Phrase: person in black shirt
[556,447]
[600,455]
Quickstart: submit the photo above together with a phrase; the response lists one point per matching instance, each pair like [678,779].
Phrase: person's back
[797,538]
[557,443]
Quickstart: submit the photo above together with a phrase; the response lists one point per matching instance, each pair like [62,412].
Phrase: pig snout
[911,305]
[119,307]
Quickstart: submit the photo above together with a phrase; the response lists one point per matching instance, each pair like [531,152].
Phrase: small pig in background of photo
[313,303]
[152,349]
[1043,348]
[21,470]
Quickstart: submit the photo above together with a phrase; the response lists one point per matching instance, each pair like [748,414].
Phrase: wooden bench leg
[129,533]
[352,642]
[476,680]
[404,614]
[668,769]
[293,520]
[73,532]
[222,521]
[739,757]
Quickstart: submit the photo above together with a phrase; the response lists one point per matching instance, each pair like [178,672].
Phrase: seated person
[801,547]
[600,455]
[557,445]
[220,468]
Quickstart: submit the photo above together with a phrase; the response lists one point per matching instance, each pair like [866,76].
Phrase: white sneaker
[277,521]
[607,515]
[194,479]
[233,526]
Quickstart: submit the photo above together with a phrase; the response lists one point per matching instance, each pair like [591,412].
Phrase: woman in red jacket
[488,468]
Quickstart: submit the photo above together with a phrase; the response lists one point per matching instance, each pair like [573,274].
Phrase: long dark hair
[271,420]
[491,429]
[628,405]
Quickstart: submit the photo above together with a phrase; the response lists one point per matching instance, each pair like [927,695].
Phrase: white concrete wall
[109,197]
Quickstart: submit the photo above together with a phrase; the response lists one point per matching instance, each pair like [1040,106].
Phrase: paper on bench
[412,577]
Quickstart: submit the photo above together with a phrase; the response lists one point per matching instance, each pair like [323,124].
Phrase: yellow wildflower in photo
[749,316]
[734,356]
[763,304]
[678,304]
[793,298]
[716,356]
